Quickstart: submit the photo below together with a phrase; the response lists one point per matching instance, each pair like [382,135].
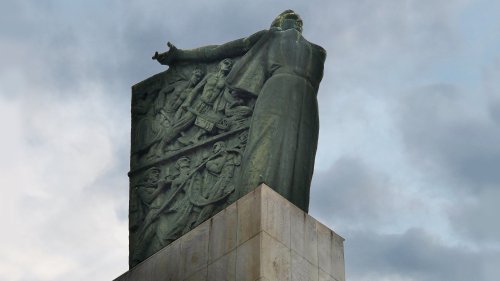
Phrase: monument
[219,122]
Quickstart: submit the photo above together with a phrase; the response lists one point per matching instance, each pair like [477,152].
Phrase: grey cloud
[413,255]
[443,137]
[350,193]
[383,35]
[491,82]
[448,140]
[477,219]
[113,45]
[495,111]
[61,46]
[60,49]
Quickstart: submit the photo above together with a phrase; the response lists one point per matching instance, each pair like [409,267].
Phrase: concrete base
[261,236]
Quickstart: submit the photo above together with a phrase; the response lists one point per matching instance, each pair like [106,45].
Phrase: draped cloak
[283,70]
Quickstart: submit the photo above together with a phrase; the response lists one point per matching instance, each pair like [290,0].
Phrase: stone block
[223,269]
[261,236]
[275,259]
[248,260]
[330,252]
[338,270]
[302,269]
[324,248]
[194,249]
[304,235]
[200,275]
[276,215]
[249,216]
[323,276]
[223,233]
[167,263]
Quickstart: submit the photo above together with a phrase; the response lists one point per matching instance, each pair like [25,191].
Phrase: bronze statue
[220,121]
[283,70]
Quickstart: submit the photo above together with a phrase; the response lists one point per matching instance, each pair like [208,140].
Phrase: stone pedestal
[261,236]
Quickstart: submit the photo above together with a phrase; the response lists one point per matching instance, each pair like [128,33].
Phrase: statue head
[196,76]
[288,20]
[152,175]
[225,65]
[183,163]
[218,147]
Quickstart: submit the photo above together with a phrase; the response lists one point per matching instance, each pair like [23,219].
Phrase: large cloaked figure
[283,70]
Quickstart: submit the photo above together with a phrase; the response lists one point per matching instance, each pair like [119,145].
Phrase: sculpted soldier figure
[179,97]
[213,86]
[214,184]
[153,114]
[162,196]
[283,70]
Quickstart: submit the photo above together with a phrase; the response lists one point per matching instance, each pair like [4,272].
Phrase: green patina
[220,121]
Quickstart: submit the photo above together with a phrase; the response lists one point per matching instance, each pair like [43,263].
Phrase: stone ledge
[262,236]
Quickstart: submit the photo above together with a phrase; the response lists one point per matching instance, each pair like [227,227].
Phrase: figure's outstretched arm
[208,53]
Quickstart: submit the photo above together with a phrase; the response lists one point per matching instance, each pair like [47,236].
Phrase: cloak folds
[283,70]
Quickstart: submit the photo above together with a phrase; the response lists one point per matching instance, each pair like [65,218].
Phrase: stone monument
[220,121]
[260,237]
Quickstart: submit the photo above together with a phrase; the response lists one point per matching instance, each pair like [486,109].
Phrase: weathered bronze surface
[221,120]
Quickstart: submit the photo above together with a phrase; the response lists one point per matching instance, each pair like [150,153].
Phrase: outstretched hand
[168,57]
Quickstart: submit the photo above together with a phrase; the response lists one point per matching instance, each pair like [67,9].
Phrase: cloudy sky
[408,164]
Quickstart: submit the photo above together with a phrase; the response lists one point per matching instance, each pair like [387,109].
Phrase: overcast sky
[408,164]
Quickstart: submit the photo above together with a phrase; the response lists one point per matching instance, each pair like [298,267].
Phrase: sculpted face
[153,176]
[183,163]
[292,22]
[226,65]
[288,20]
[218,146]
[196,76]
